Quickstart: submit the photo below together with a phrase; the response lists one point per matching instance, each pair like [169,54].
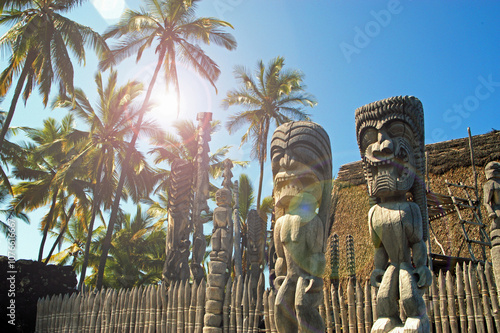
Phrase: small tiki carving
[302,173]
[390,136]
[491,190]
[491,201]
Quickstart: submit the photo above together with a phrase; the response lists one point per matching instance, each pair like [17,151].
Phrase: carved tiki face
[492,170]
[301,163]
[223,197]
[390,140]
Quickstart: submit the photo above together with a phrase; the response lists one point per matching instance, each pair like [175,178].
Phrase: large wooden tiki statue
[302,173]
[491,201]
[390,136]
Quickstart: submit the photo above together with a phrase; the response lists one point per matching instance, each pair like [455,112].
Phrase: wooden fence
[466,301]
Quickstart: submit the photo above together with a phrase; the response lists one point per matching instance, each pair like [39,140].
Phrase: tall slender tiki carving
[256,238]
[201,194]
[179,227]
[390,136]
[302,170]
[238,269]
[220,256]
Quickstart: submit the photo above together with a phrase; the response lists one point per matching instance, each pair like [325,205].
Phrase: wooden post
[493,295]
[272,298]
[239,300]
[200,307]
[170,300]
[443,303]
[175,306]
[259,304]
[360,314]
[245,304]
[328,308]
[485,298]
[452,309]
[232,319]
[164,306]
[226,307]
[351,305]
[461,298]
[266,311]
[478,311]
[368,307]
[343,310]
[435,304]
[336,308]
[192,307]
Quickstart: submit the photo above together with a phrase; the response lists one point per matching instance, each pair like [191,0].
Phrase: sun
[164,106]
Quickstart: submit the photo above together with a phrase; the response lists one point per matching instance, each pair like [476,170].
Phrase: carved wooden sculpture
[177,244]
[390,136]
[220,256]
[302,173]
[256,238]
[491,201]
[201,194]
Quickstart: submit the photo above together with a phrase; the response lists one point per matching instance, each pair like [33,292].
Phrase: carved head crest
[492,170]
[390,135]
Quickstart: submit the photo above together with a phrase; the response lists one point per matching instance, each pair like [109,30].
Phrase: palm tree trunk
[95,207]
[61,234]
[15,98]
[47,225]
[116,204]
[261,179]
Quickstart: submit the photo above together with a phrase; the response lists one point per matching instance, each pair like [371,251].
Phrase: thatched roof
[448,161]
[442,157]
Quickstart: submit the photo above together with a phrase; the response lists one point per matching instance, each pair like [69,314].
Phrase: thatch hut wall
[448,160]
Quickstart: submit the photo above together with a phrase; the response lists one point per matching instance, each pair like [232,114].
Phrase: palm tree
[173,26]
[275,96]
[42,182]
[137,252]
[110,123]
[40,41]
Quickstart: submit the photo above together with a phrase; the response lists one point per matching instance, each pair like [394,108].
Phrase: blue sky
[351,52]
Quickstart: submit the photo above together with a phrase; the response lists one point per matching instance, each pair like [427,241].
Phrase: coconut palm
[110,123]
[271,96]
[40,41]
[137,252]
[41,182]
[173,27]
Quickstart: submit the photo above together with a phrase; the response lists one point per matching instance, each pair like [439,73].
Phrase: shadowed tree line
[79,176]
